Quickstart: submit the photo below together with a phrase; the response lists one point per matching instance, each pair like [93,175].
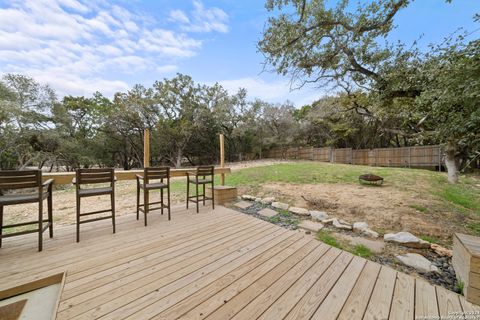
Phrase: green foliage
[431,239]
[463,196]
[460,285]
[361,251]
[275,219]
[474,227]
[327,238]
[392,95]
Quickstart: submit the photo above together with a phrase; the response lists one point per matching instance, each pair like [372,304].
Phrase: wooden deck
[216,265]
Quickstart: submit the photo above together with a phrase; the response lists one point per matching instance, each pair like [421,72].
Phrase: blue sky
[80,46]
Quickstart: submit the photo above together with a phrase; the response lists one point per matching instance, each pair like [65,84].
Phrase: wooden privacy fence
[419,156]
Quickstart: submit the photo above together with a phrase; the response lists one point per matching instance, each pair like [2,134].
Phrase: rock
[267,200]
[258,199]
[267,212]
[311,225]
[360,226]
[280,205]
[243,204]
[441,251]
[406,239]
[329,220]
[417,262]
[318,215]
[299,211]
[340,224]
[370,233]
[376,246]
[248,197]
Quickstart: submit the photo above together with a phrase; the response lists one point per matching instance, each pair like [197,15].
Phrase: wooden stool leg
[203,194]
[188,192]
[213,195]
[161,199]
[40,225]
[168,196]
[196,186]
[1,225]
[145,204]
[112,200]
[138,199]
[78,219]
[50,213]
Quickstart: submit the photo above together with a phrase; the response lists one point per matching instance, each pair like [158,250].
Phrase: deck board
[218,264]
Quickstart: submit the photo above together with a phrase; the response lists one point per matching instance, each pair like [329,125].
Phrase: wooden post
[146,148]
[222,157]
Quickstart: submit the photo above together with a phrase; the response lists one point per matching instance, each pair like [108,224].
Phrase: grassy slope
[463,197]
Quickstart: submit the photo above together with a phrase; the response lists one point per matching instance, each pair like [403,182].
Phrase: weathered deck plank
[216,265]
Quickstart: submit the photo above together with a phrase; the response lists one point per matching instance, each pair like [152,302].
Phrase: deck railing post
[146,148]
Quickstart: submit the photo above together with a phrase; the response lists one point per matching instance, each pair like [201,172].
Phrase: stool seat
[95,191]
[21,198]
[200,181]
[153,186]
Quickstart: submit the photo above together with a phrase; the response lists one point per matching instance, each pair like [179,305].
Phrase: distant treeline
[185,118]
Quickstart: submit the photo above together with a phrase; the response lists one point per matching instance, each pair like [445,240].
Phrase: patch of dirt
[256,163]
[385,208]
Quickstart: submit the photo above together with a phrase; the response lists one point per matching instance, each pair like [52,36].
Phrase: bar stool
[94,176]
[206,175]
[14,180]
[145,183]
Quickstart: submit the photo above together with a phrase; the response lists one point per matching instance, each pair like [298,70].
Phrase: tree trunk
[451,161]
[178,162]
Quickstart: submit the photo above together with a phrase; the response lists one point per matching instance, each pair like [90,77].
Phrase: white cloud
[78,45]
[272,91]
[202,19]
[167,68]
[179,16]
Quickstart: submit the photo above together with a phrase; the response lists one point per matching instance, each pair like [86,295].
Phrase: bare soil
[384,208]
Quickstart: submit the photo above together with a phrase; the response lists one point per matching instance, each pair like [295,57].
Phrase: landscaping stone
[441,251]
[318,215]
[280,205]
[362,228]
[299,211]
[267,200]
[248,197]
[243,204]
[328,221]
[339,224]
[417,262]
[376,246]
[311,225]
[406,239]
[267,213]
[370,233]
